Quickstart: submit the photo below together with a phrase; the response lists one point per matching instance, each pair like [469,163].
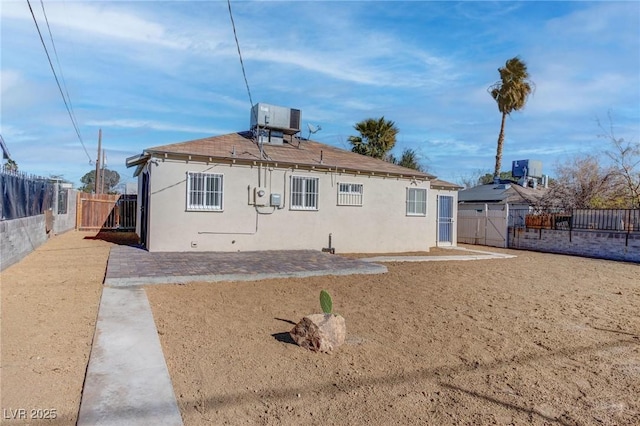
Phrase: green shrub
[325,302]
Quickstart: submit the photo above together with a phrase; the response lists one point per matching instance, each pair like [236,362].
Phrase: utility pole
[96,188]
[104,160]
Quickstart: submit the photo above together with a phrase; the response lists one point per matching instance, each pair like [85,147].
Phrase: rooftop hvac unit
[526,168]
[286,120]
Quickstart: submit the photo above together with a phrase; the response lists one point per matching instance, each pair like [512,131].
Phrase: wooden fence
[106,212]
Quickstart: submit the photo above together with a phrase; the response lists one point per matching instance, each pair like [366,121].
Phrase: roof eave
[315,166]
[136,160]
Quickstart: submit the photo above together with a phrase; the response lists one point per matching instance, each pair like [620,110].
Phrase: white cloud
[19,92]
[563,94]
[151,72]
[13,134]
[106,20]
[8,80]
[151,125]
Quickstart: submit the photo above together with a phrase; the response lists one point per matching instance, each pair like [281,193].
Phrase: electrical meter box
[276,200]
[260,196]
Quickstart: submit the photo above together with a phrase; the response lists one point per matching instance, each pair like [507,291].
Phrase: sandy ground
[49,307]
[539,339]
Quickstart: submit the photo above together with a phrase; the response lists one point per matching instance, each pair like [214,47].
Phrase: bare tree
[482,177]
[583,182]
[625,156]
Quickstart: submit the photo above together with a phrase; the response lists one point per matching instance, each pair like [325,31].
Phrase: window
[416,202]
[63,197]
[304,193]
[204,191]
[349,194]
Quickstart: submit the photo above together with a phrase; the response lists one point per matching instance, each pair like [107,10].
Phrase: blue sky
[150,73]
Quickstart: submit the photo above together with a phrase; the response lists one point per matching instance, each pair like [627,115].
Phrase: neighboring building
[229,193]
[497,196]
[484,210]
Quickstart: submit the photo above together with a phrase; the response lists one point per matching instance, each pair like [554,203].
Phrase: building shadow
[122,238]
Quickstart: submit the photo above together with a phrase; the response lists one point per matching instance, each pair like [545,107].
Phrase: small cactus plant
[325,302]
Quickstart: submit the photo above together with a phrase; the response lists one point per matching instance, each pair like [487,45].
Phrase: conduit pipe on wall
[231,233]
[284,190]
[258,212]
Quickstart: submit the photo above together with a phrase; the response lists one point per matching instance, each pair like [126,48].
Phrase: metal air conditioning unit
[283,119]
[526,168]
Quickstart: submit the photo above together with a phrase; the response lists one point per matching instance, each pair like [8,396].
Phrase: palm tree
[511,93]
[377,137]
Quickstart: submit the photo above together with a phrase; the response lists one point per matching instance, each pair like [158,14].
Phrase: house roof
[442,184]
[5,150]
[308,153]
[501,193]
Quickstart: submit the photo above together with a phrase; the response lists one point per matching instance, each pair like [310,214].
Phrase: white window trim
[304,194]
[415,203]
[204,208]
[350,197]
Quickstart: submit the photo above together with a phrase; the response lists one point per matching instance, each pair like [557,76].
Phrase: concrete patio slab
[131,266]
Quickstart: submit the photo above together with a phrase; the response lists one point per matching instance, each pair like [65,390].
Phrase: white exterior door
[445,220]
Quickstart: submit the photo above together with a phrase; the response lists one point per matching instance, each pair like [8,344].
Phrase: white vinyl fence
[483,227]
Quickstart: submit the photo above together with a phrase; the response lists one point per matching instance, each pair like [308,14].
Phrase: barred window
[416,202]
[63,198]
[304,193]
[204,191]
[350,194]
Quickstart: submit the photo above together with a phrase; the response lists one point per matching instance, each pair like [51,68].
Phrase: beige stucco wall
[379,225]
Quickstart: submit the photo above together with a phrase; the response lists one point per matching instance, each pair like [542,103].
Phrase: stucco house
[269,189]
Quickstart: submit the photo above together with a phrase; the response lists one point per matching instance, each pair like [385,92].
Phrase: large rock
[320,332]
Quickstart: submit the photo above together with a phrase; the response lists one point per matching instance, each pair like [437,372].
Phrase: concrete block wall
[598,244]
[19,237]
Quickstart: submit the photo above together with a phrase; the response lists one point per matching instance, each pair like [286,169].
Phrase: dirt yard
[539,339]
[49,307]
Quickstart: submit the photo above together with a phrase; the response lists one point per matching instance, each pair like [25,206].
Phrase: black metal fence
[622,220]
[24,195]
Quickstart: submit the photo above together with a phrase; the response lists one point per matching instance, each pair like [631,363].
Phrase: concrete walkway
[127,380]
[472,255]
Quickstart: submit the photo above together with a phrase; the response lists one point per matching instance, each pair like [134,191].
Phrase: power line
[55,51]
[75,126]
[235,35]
[244,74]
